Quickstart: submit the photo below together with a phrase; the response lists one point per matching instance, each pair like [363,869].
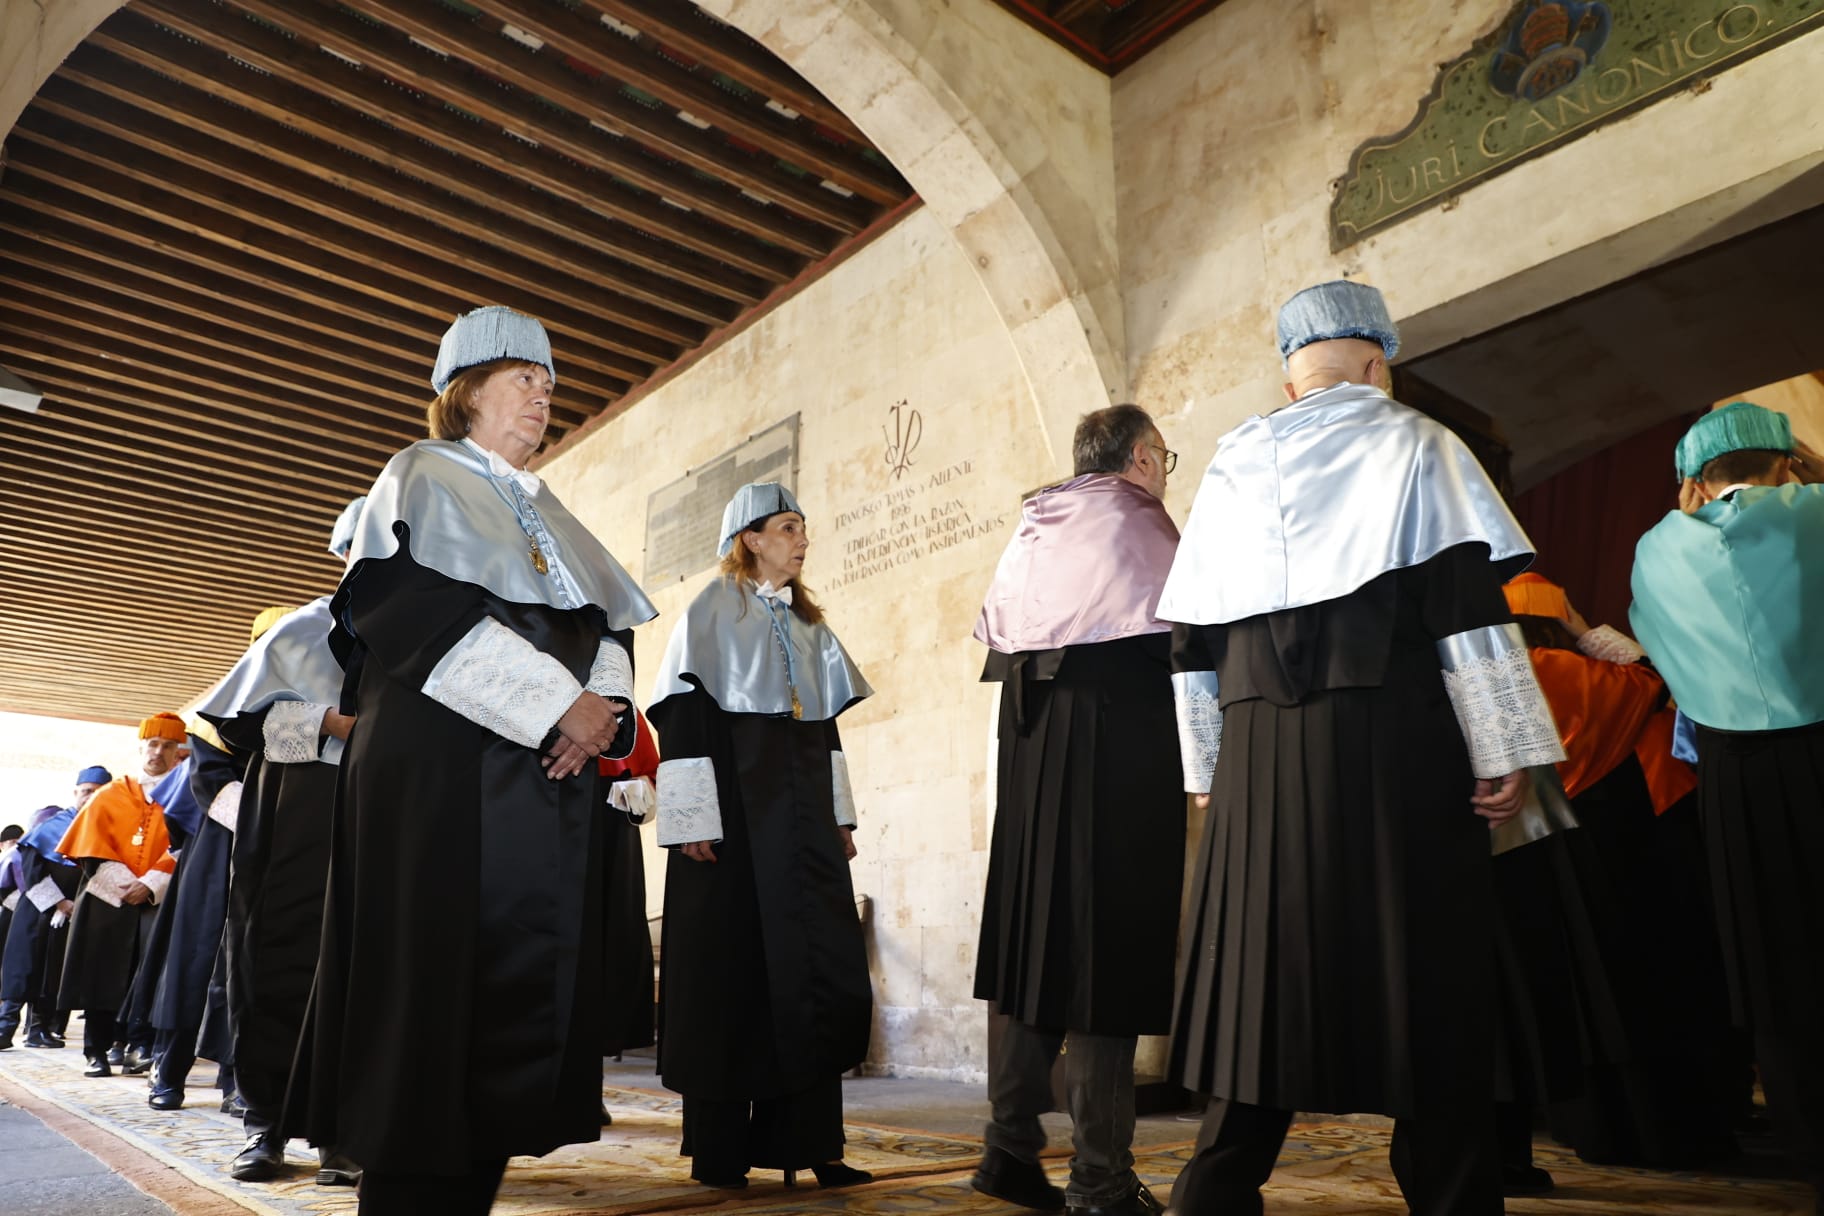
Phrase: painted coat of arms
[1548,47]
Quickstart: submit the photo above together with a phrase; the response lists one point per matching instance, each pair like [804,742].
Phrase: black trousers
[99,1026]
[1446,1166]
[1099,1078]
[470,1194]
[725,1138]
[173,1055]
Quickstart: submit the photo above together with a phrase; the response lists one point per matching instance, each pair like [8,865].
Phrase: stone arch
[35,38]
[1030,236]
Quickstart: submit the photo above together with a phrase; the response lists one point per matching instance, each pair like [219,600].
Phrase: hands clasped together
[585,731]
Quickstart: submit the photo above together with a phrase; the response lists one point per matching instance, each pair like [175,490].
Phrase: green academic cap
[1738,427]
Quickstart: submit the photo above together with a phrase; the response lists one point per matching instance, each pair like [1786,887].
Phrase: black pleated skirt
[1338,948]
[1762,799]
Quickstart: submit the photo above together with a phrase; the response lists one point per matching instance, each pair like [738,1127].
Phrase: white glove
[635,797]
[59,920]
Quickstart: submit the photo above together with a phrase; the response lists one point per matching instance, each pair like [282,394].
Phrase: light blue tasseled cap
[487,334]
[752,503]
[342,536]
[1337,309]
[1737,427]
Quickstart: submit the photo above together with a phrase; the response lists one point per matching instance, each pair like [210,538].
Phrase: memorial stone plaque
[684,519]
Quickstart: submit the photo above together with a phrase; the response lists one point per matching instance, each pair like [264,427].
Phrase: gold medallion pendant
[139,837]
[538,557]
[797,706]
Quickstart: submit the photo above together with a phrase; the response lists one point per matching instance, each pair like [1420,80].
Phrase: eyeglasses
[1171,457]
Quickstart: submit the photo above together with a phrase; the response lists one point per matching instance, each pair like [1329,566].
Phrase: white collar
[498,466]
[1740,485]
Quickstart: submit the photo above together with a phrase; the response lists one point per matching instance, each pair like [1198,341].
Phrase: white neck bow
[767,591]
[498,466]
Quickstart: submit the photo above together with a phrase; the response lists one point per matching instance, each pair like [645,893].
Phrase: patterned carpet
[1337,1169]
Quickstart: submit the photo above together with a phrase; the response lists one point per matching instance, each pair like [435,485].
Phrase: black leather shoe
[39,1038]
[116,1056]
[98,1067]
[6,1044]
[261,1160]
[1140,1203]
[607,1119]
[837,1173]
[722,1182]
[166,1099]
[1525,1180]
[1001,1175]
[334,1169]
[233,1105]
[136,1062]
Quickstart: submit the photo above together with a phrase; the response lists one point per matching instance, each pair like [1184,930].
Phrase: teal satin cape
[1728,602]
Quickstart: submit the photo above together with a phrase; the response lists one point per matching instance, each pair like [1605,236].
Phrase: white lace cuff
[156,881]
[1609,644]
[688,807]
[110,882]
[841,791]
[292,729]
[1502,713]
[44,894]
[1199,727]
[636,798]
[497,679]
[612,674]
[226,809]
[11,901]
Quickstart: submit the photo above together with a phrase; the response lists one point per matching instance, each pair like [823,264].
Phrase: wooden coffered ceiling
[232,233]
[1109,34]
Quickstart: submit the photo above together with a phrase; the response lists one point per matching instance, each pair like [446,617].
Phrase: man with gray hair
[1080,919]
[1352,695]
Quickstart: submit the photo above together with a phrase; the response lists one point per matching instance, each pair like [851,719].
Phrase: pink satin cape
[1086,565]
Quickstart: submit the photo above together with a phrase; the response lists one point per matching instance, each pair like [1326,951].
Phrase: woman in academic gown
[764,996]
[486,636]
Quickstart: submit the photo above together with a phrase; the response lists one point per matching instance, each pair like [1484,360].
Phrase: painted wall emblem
[1548,47]
[1553,70]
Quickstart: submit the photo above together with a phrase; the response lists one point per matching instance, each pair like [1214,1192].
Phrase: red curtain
[1586,520]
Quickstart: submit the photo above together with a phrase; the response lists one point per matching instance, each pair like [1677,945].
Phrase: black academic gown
[33,964]
[764,991]
[1085,871]
[143,993]
[1668,1100]
[105,947]
[197,905]
[275,912]
[457,1014]
[1337,952]
[627,1020]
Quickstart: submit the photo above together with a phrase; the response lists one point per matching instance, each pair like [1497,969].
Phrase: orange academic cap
[162,726]
[1535,595]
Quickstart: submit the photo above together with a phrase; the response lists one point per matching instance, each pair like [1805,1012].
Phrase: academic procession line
[1468,862]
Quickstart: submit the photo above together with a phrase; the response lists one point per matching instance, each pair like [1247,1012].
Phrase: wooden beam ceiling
[1108,34]
[233,232]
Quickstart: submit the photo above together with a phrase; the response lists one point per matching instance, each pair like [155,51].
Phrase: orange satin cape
[1605,711]
[642,761]
[106,826]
